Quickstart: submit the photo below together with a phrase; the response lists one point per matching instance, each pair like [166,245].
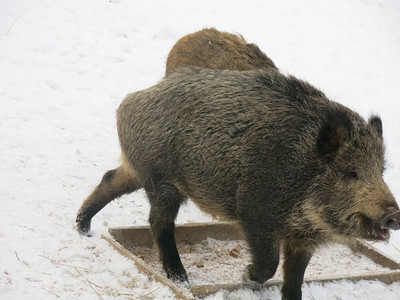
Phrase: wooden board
[197,232]
[140,236]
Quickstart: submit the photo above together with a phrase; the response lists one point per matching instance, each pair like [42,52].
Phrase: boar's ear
[376,123]
[335,130]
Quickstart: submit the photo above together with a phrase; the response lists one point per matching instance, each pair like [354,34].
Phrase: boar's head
[352,198]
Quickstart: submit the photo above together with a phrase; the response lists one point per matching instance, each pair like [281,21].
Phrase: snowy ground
[65,66]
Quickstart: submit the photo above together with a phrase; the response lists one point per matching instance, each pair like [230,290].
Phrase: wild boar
[213,49]
[266,150]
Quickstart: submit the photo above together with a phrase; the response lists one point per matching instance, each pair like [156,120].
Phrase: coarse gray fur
[266,150]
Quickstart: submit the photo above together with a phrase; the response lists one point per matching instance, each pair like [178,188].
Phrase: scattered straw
[59,263]
[98,289]
[397,249]
[86,282]
[22,261]
[92,283]
[150,293]
[50,292]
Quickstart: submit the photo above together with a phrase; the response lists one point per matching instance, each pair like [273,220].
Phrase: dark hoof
[178,275]
[249,274]
[83,226]
[249,279]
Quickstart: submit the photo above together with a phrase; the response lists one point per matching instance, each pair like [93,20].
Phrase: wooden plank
[374,254]
[140,236]
[205,290]
[148,270]
[386,277]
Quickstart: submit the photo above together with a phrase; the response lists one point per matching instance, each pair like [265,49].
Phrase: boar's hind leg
[114,183]
[165,200]
[297,256]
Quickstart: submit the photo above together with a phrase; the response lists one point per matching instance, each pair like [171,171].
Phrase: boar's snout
[391,221]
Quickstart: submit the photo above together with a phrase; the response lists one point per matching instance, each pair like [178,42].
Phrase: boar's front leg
[265,254]
[297,256]
[260,229]
[165,200]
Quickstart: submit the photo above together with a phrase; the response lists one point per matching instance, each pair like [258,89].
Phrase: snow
[65,67]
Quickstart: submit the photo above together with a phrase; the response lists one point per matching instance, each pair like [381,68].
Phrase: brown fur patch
[373,199]
[213,49]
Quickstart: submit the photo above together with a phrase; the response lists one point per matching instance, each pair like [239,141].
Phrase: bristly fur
[213,49]
[261,148]
[271,152]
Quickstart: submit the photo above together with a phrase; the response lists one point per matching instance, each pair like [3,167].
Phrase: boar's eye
[352,175]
